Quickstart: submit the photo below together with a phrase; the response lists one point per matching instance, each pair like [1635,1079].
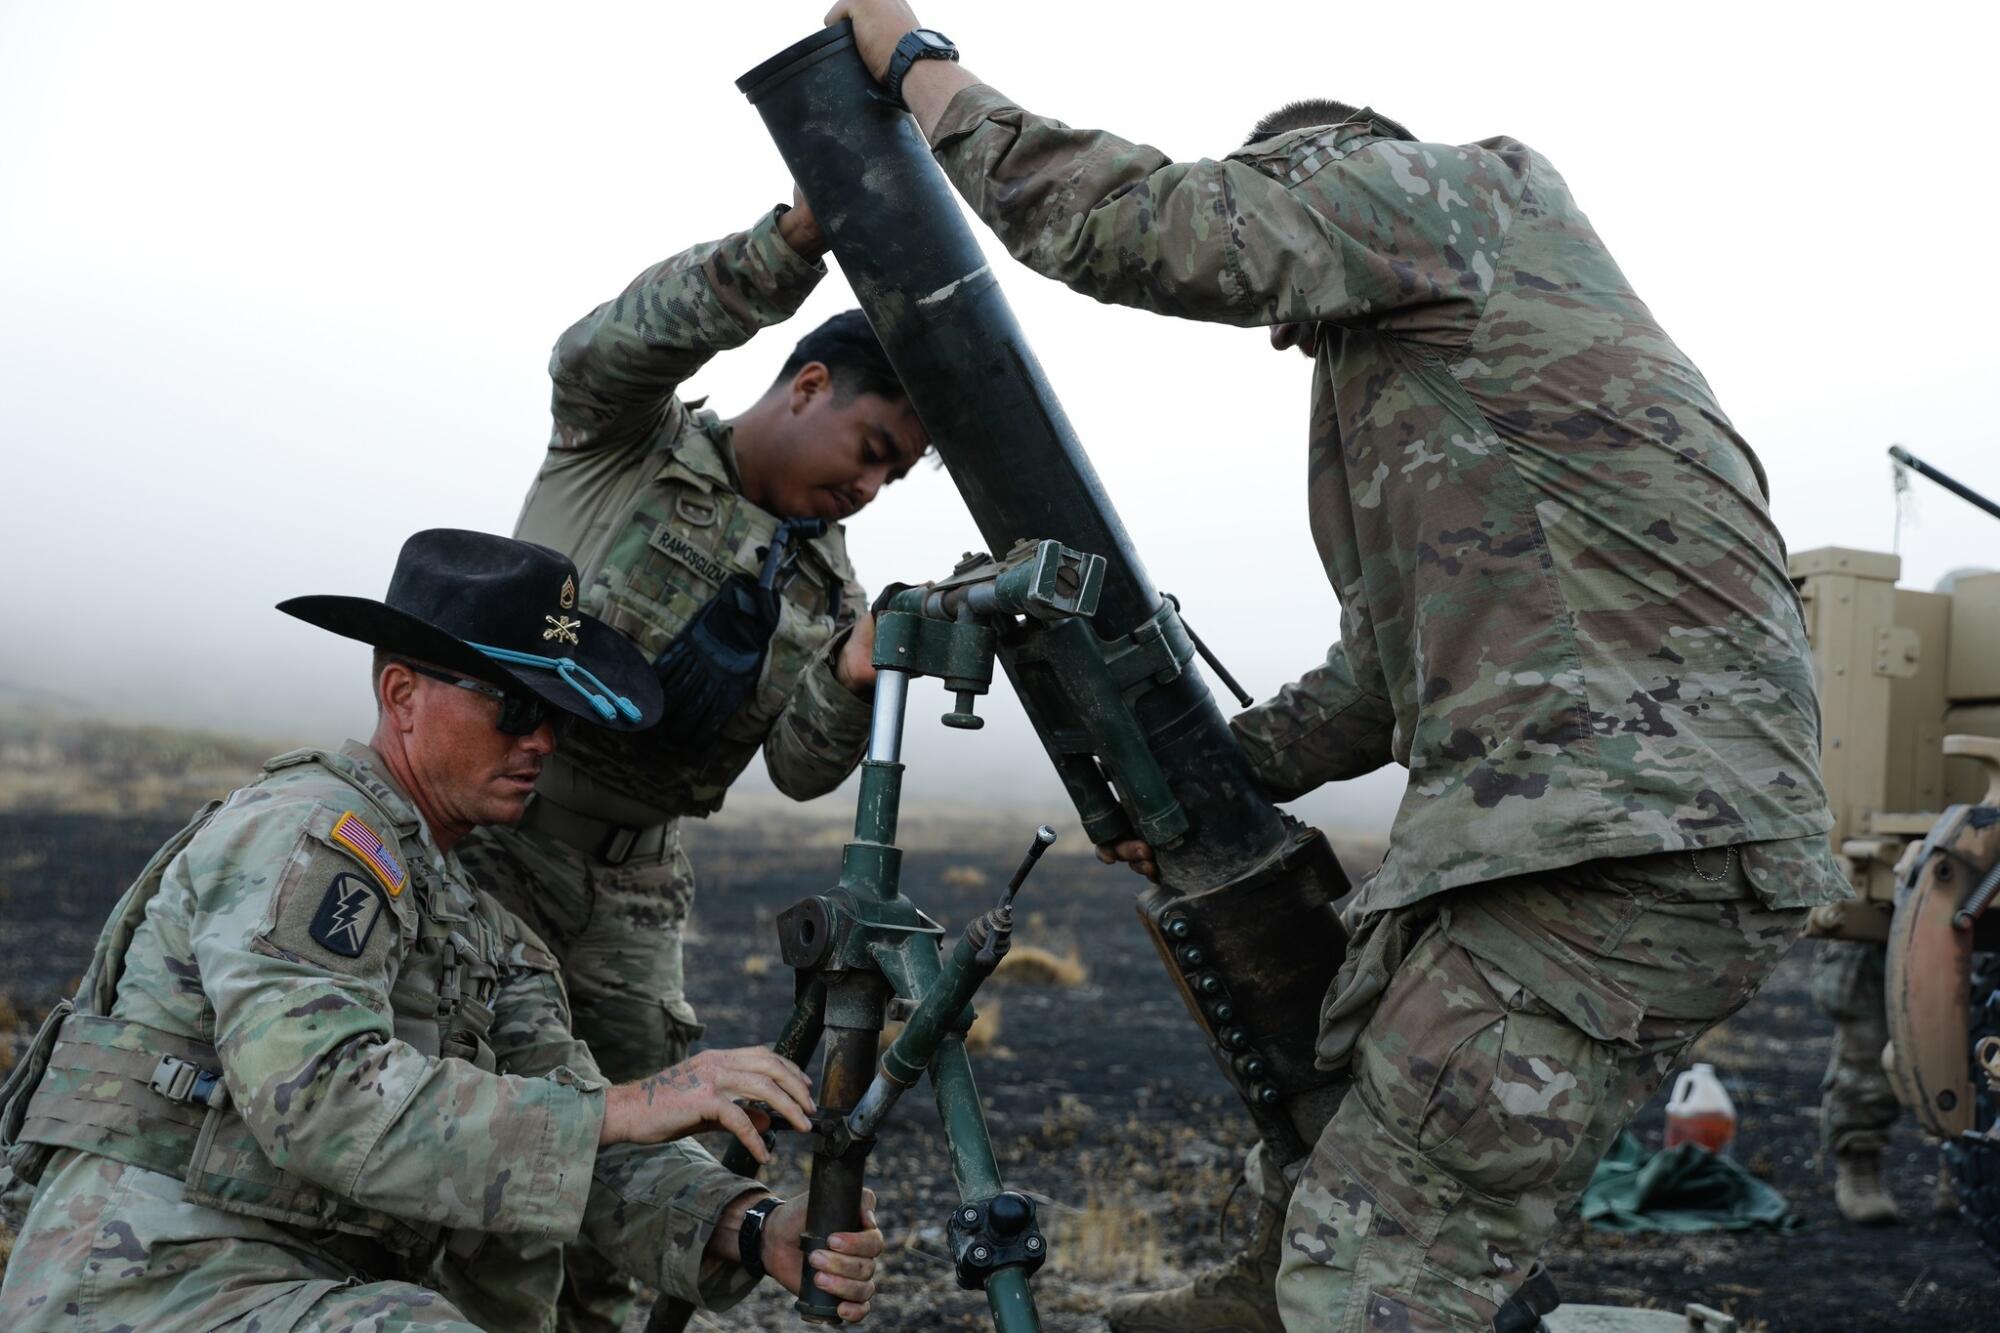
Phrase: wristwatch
[919,44]
[750,1234]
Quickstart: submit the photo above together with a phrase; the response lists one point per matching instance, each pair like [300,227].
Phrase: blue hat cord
[599,695]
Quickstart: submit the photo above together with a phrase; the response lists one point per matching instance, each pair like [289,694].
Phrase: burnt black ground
[1102,1101]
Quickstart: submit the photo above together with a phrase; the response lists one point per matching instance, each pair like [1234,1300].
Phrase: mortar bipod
[862,944]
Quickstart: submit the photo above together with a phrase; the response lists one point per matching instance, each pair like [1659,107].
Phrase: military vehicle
[1910,706]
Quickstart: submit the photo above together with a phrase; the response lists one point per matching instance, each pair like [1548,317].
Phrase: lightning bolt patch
[347,915]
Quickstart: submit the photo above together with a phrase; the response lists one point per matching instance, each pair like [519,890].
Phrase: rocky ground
[1102,1103]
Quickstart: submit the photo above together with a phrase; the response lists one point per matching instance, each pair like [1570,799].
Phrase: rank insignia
[346,916]
[562,629]
[357,837]
[568,599]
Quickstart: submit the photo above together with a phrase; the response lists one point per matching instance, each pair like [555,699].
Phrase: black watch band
[750,1234]
[917,44]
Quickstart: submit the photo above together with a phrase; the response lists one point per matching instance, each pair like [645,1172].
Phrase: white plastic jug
[1699,1111]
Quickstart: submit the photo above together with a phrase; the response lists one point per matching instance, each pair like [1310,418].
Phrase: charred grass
[1104,1106]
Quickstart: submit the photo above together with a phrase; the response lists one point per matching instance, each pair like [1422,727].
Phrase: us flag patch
[358,838]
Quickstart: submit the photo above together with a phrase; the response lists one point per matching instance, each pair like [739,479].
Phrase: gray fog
[278,283]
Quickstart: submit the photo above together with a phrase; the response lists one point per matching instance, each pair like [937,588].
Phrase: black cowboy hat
[501,611]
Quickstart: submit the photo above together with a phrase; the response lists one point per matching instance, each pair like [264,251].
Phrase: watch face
[936,41]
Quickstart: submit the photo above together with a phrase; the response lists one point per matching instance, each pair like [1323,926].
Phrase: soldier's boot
[1859,1191]
[1944,1200]
[1531,1300]
[1240,1296]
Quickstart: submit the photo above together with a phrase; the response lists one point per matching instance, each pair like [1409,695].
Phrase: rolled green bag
[1684,1190]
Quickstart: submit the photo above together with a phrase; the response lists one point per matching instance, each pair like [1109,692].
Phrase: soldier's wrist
[797,230]
[620,1119]
[750,1234]
[727,1243]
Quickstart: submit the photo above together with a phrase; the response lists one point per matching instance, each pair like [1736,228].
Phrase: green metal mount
[1031,608]
[864,952]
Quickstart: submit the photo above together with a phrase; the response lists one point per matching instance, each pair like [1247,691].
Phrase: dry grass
[757,964]
[105,768]
[9,1021]
[965,877]
[1107,1240]
[1734,1049]
[985,1029]
[1036,966]
[980,1040]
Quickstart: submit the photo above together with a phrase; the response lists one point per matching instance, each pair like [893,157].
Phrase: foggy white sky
[278,283]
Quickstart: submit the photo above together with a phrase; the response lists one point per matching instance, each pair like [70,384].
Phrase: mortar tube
[916,270]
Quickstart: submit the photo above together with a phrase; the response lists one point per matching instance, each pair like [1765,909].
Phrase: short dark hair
[852,354]
[1310,111]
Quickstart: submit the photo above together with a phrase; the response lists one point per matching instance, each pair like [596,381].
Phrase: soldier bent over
[315,1079]
[1564,609]
[713,545]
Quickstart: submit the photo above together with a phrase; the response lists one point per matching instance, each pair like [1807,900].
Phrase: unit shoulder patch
[351,833]
[347,914]
[327,912]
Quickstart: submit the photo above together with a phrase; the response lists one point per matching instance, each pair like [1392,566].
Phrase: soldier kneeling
[315,1078]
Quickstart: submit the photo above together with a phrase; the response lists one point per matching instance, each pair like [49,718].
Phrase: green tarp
[1684,1190]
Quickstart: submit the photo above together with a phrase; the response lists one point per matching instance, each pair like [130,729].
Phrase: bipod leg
[994,1239]
[857,1005]
[795,1042]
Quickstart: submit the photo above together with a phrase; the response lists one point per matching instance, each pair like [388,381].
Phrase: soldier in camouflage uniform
[662,504]
[1857,1106]
[1565,611]
[315,1080]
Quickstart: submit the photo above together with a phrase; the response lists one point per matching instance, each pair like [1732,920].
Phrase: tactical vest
[666,548]
[155,1099]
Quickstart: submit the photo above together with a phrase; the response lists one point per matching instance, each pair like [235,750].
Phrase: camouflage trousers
[1857,1107]
[109,1246]
[1499,1038]
[616,930]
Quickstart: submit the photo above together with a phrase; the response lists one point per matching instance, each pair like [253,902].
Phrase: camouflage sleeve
[532,1033]
[1218,241]
[616,370]
[292,938]
[1322,728]
[823,731]
[652,1211]
[515,1281]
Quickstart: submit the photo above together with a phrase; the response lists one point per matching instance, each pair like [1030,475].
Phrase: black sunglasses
[520,714]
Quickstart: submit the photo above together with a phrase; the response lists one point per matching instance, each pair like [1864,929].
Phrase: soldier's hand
[855,667]
[846,1270]
[1304,336]
[801,229]
[708,1091]
[878,26]
[1137,854]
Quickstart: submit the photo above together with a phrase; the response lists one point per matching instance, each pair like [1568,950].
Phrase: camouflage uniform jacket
[395,1047]
[1564,606]
[641,490]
